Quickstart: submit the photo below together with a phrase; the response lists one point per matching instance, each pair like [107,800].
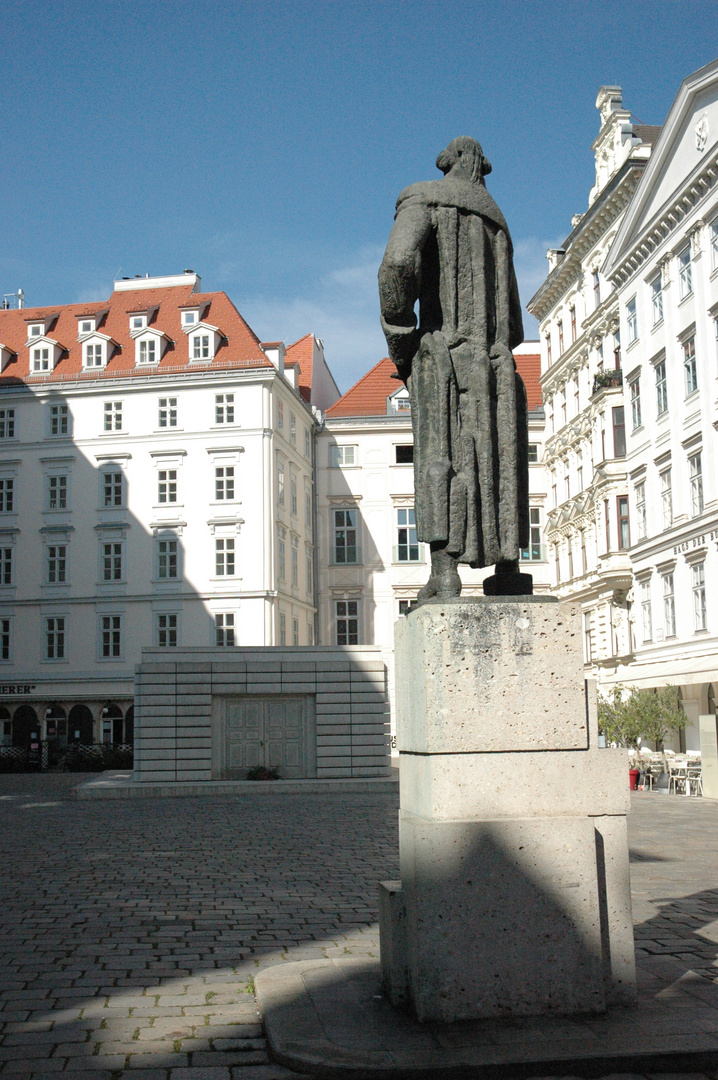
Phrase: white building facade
[627,324]
[156,488]
[371,565]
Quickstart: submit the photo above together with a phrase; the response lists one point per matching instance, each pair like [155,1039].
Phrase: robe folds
[450,249]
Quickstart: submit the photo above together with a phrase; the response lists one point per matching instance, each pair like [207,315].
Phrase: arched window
[80,726]
[25,726]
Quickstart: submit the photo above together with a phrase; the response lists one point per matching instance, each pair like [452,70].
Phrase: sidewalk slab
[329,1018]
[120,785]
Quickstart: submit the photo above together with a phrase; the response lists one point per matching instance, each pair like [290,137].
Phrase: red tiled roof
[302,353]
[239,347]
[368,396]
[530,371]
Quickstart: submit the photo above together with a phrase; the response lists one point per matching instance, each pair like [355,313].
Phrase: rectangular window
[624,535]
[572,313]
[56,492]
[167,559]
[224,629]
[111,636]
[661,388]
[564,411]
[6,566]
[112,562]
[685,272]
[689,365]
[588,636]
[560,337]
[4,639]
[404,454]
[280,484]
[224,557]
[224,408]
[280,415]
[40,360]
[200,349]
[56,564]
[310,632]
[407,545]
[113,416]
[641,510]
[533,453]
[308,508]
[566,481]
[148,351]
[347,621]
[343,456]
[7,495]
[112,489]
[281,557]
[617,350]
[636,404]
[646,614]
[631,321]
[698,582]
[666,498]
[307,443]
[93,355]
[292,429]
[224,483]
[533,552]
[713,241]
[596,289]
[295,631]
[167,413]
[282,628]
[167,486]
[167,631]
[548,350]
[293,493]
[345,537]
[7,423]
[55,637]
[59,419]
[656,287]
[619,432]
[695,463]
[669,606]
[309,570]
[295,562]
[557,563]
[584,558]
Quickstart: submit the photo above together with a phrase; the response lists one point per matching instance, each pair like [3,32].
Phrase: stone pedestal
[514,896]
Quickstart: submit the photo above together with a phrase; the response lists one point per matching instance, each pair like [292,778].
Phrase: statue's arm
[400,280]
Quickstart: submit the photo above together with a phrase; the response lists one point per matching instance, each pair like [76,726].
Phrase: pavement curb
[121,786]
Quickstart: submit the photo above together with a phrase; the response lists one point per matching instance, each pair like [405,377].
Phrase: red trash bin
[633,778]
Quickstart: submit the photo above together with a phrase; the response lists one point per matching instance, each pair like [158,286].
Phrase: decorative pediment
[681,170]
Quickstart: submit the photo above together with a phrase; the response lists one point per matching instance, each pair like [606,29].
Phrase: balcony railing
[607,380]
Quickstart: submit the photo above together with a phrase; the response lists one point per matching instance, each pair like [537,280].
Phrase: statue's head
[466,153]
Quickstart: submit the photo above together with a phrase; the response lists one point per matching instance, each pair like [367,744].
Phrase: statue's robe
[450,249]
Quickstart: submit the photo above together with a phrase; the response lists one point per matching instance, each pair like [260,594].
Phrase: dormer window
[41,359]
[93,355]
[189,318]
[148,351]
[201,347]
[150,343]
[87,326]
[203,342]
[37,330]
[138,322]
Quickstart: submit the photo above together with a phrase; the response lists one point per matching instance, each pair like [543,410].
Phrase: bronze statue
[450,249]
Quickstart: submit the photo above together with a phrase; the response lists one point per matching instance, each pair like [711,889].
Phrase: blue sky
[263,144]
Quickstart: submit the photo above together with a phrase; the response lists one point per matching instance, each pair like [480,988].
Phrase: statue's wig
[470,151]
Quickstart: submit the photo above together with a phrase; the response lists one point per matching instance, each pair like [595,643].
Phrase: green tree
[625,716]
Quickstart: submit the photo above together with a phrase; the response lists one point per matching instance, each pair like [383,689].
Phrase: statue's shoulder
[460,194]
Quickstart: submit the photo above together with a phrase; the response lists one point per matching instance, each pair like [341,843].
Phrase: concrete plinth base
[514,897]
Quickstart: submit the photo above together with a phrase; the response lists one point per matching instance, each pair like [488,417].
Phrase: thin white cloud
[342,309]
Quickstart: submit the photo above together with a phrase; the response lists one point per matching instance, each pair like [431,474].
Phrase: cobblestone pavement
[132,929]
